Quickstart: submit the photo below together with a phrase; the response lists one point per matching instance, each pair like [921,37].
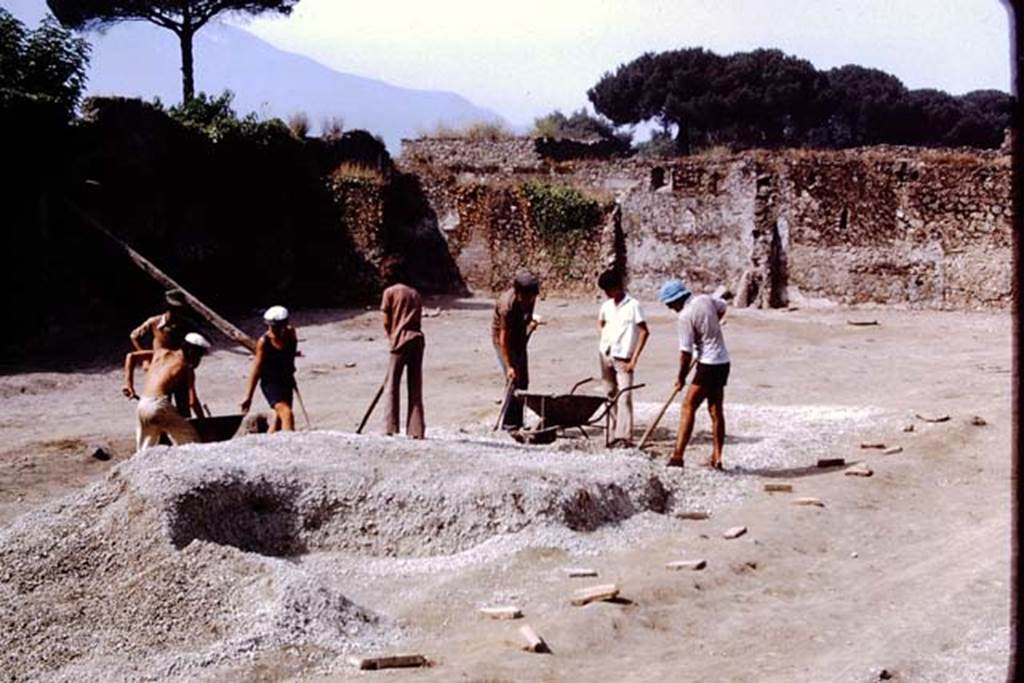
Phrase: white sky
[527,57]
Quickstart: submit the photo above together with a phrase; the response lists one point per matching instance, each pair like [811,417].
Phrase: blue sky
[526,58]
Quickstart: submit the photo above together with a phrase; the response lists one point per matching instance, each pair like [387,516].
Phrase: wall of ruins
[491,234]
[894,226]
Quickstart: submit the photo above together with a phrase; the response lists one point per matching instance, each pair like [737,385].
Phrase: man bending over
[700,338]
[170,371]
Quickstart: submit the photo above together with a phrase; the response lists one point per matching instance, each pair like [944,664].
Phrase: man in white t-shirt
[624,334]
[700,338]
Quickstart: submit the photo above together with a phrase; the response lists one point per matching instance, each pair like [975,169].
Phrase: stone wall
[389,214]
[491,234]
[895,226]
[924,228]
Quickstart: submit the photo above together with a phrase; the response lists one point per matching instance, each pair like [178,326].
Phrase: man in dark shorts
[700,338]
[274,369]
[510,329]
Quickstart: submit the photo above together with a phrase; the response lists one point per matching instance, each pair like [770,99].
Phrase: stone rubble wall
[491,235]
[884,225]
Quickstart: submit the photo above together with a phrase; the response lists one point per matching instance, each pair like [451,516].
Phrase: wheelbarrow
[559,412]
[213,428]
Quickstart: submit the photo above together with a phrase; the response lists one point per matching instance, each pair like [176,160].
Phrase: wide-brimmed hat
[673,290]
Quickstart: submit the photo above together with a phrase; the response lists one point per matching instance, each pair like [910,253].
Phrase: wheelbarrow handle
[620,392]
[612,400]
[580,384]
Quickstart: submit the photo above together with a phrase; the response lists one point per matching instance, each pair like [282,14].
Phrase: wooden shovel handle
[661,414]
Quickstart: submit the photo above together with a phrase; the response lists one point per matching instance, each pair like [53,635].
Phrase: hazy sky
[527,57]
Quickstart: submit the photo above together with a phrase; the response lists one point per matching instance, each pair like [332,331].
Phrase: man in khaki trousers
[624,334]
[403,311]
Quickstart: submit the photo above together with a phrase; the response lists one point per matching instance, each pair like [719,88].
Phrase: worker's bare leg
[716,397]
[695,395]
[284,418]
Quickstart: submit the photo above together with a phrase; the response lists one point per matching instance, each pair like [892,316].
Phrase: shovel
[373,404]
[661,414]
[510,388]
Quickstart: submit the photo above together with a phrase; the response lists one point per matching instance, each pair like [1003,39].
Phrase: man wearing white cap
[170,370]
[274,368]
[700,339]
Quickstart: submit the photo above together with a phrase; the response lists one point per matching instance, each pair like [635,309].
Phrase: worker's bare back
[169,370]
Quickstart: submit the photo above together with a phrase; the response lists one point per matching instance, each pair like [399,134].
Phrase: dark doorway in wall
[844,219]
[657,178]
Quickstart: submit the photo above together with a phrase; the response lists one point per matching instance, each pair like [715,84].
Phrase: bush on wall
[560,210]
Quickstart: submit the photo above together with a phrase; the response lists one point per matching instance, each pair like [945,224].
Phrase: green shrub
[560,210]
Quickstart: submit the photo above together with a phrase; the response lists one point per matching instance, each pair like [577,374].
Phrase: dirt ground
[906,571]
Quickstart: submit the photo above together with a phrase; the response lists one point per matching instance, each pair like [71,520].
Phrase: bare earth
[907,571]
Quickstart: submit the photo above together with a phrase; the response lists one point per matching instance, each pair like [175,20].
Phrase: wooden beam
[149,268]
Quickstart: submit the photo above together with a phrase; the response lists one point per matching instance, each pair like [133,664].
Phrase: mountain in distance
[137,59]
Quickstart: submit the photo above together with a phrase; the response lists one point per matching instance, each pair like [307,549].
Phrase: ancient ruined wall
[392,215]
[514,155]
[923,228]
[360,204]
[491,233]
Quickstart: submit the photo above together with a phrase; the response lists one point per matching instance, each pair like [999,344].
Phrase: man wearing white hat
[274,368]
[170,370]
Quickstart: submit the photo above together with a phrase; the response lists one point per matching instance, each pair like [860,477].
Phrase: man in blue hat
[700,338]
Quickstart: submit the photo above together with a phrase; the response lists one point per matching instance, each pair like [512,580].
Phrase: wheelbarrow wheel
[535,437]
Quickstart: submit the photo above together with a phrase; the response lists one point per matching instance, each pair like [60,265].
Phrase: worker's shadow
[454,303]
[784,472]
[667,435]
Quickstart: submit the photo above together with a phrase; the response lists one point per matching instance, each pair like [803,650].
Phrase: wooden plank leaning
[222,325]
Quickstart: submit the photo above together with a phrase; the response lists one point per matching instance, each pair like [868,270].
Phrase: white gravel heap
[195,562]
[189,558]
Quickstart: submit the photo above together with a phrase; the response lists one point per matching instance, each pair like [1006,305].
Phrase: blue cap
[673,290]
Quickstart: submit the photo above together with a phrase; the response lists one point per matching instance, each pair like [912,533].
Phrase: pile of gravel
[186,560]
[196,561]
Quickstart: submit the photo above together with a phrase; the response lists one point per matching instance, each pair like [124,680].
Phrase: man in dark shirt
[513,322]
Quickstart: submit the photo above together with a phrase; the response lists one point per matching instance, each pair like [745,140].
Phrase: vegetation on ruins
[477,131]
[560,210]
[182,17]
[580,125]
[765,98]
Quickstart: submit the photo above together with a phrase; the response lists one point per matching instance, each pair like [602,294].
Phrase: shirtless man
[170,370]
[167,331]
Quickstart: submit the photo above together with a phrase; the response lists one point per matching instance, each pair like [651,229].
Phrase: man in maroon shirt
[403,309]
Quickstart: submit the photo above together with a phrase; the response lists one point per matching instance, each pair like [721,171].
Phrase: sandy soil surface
[906,571]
